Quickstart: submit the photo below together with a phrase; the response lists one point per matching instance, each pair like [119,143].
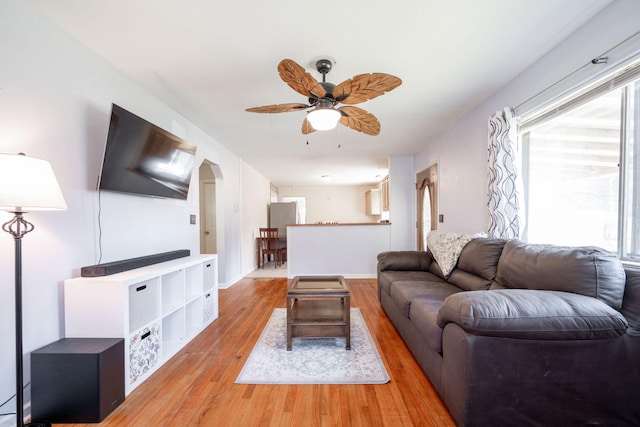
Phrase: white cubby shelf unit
[157,309]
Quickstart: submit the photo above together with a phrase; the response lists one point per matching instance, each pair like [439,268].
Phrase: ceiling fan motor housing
[323,66]
[324,103]
[328,88]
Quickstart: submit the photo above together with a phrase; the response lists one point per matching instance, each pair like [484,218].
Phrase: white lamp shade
[323,118]
[28,184]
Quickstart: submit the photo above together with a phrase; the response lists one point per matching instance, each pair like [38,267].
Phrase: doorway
[427,203]
[210,178]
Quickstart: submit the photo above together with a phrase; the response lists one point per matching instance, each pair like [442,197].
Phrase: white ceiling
[210,60]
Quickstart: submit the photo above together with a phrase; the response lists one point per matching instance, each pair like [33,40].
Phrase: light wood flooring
[196,387]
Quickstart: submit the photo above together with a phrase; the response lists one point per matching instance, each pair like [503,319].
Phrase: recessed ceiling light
[327,177]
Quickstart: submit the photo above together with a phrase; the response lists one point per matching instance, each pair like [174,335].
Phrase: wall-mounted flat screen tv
[144,159]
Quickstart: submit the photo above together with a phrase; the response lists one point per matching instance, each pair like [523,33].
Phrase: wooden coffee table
[318,307]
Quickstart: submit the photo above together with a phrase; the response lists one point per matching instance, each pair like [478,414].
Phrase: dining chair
[282,250]
[269,245]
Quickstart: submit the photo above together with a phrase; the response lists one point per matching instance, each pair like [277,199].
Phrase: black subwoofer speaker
[77,380]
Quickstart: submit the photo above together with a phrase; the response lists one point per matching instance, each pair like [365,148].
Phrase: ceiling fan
[324,97]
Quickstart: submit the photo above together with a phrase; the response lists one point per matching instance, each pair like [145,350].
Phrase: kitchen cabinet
[372,202]
[385,194]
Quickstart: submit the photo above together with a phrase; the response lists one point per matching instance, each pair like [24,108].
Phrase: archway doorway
[210,180]
[427,203]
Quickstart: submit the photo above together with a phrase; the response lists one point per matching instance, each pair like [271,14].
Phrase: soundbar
[109,268]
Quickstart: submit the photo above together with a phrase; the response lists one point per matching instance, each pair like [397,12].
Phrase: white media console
[157,309]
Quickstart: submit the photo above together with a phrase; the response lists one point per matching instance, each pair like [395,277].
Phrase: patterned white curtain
[504,184]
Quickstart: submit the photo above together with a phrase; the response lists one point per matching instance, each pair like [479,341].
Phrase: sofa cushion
[532,314]
[477,264]
[435,269]
[404,260]
[424,315]
[583,270]
[468,281]
[480,257]
[386,278]
[631,302]
[403,293]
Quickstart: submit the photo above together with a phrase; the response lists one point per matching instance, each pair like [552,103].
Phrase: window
[580,164]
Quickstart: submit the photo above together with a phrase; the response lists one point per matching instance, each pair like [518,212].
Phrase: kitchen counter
[345,249]
[337,224]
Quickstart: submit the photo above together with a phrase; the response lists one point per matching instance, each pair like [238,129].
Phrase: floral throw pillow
[446,247]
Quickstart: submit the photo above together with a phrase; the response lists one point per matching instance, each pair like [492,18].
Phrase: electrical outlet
[441,218]
[192,219]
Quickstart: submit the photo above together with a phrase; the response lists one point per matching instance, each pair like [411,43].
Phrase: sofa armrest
[532,314]
[404,260]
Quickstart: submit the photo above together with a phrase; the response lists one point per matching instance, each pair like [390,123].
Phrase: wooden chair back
[269,244]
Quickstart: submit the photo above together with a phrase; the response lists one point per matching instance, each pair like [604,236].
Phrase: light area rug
[313,360]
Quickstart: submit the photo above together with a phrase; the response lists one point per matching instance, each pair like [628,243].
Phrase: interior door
[427,204]
[210,235]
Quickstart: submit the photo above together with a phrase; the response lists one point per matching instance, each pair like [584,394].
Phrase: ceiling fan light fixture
[323,118]
[323,97]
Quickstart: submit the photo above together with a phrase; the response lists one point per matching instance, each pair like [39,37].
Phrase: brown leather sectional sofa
[521,334]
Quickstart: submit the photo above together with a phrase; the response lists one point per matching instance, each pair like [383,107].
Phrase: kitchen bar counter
[327,224]
[345,249]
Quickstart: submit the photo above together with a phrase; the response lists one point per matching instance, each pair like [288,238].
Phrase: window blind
[613,81]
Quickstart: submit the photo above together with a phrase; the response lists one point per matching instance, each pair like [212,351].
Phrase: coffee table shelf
[318,307]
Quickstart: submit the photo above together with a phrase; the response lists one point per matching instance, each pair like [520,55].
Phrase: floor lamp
[26,184]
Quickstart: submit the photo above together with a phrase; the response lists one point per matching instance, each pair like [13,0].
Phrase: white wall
[256,194]
[332,203]
[402,205]
[55,102]
[461,152]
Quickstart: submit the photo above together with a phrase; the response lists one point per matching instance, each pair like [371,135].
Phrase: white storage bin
[143,303]
[210,311]
[144,351]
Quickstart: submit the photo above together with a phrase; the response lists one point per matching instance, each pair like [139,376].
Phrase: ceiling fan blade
[363,87]
[360,120]
[278,108]
[299,80]
[306,127]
